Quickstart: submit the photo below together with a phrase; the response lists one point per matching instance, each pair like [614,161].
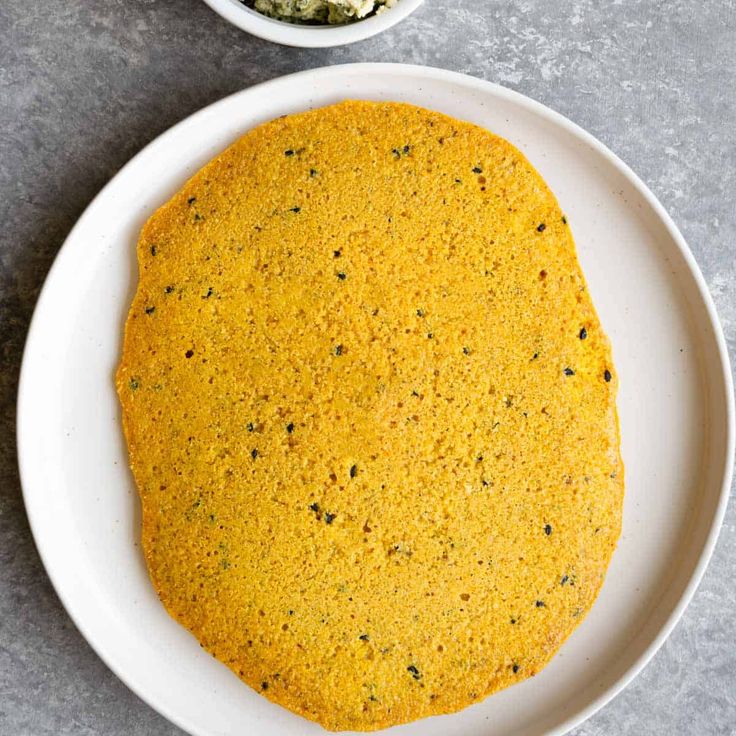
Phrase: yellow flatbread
[370,412]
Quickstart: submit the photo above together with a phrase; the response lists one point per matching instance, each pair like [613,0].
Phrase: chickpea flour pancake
[370,411]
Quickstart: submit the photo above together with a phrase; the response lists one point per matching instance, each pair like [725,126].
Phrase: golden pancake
[371,415]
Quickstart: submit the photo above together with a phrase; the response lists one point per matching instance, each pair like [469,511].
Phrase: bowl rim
[307,36]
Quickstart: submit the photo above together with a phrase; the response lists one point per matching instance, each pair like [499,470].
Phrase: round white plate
[675,401]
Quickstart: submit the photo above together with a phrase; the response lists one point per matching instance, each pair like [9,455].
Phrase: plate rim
[545,112]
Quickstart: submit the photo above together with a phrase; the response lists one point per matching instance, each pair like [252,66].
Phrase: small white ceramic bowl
[311,36]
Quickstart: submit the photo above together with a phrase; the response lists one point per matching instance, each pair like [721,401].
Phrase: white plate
[675,401]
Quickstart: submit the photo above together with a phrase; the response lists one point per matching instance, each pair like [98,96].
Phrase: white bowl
[310,36]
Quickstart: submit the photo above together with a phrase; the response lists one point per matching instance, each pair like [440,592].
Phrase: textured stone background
[85,84]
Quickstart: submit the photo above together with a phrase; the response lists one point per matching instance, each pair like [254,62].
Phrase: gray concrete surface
[84,85]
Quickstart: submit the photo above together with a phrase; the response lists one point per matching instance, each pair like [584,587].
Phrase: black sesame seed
[466,351]
[541,227]
[210,292]
[254,453]
[329,518]
[364,637]
[338,349]
[189,353]
[251,426]
[312,172]
[430,335]
[539,604]
[168,289]
[607,375]
[515,668]
[569,372]
[154,251]
[191,201]
[406,149]
[314,507]
[150,310]
[264,686]
[342,276]
[420,313]
[414,672]
[336,253]
[583,334]
[290,427]
[564,220]
[458,181]
[295,209]
[513,620]
[134,384]
[535,356]
[547,529]
[353,471]
[288,152]
[564,579]
[477,170]
[396,152]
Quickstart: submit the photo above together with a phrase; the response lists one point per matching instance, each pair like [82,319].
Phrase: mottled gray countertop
[84,85]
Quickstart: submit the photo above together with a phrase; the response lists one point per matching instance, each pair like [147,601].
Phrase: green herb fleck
[134,383]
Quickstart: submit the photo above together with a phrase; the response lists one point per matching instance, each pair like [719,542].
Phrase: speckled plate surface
[675,402]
